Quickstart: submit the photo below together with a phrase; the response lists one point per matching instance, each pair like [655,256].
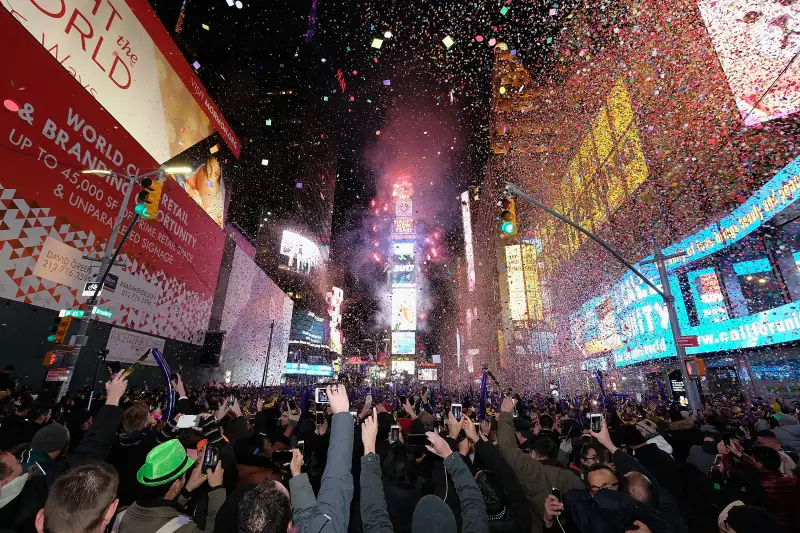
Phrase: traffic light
[148,199]
[508,217]
[59,330]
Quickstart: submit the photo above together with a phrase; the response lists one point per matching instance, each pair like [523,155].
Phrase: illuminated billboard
[532,291]
[606,169]
[409,367]
[403,226]
[640,316]
[335,299]
[469,253]
[517,304]
[404,309]
[170,266]
[404,208]
[756,44]
[403,342]
[302,254]
[126,60]
[404,270]
[427,374]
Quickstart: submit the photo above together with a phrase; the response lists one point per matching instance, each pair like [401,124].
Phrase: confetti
[448,42]
[377,43]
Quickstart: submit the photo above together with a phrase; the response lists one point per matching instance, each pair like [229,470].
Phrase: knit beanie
[50,438]
[432,515]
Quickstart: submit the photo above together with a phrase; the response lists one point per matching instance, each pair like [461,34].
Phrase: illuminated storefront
[737,287]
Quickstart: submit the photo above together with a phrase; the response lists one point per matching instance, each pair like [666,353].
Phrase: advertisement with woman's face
[206,181]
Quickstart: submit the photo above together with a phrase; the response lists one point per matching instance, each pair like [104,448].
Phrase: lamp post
[666,294]
[110,253]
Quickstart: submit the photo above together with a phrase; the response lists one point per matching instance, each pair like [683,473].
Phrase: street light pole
[666,294]
[110,253]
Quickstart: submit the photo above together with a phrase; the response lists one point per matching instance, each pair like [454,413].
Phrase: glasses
[590,459]
[612,485]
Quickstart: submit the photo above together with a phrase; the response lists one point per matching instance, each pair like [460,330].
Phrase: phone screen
[417,439]
[321,395]
[282,457]
[395,434]
[555,492]
[596,423]
[114,367]
[456,409]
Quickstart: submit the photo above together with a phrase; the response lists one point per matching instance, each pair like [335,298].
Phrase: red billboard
[52,217]
[123,56]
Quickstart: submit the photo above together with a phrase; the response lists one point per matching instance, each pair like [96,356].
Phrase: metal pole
[510,187]
[105,267]
[660,260]
[269,349]
[669,300]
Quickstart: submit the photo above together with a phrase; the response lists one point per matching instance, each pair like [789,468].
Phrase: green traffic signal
[141,210]
[507,228]
[51,338]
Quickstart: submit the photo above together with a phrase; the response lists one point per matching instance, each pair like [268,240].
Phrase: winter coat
[789,435]
[127,456]
[375,518]
[609,511]
[19,513]
[535,478]
[330,512]
[661,465]
[148,516]
[399,502]
[516,517]
[703,456]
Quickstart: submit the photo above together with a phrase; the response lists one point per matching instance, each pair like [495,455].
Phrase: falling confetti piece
[377,43]
[265,162]
[214,149]
[479,38]
[205,26]
[11,105]
[196,65]
[492,41]
[504,11]
[387,82]
[269,122]
[448,42]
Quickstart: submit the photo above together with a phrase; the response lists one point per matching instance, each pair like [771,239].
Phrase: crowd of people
[353,459]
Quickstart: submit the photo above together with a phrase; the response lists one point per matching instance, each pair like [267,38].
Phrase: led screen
[427,374]
[517,302]
[404,309]
[403,226]
[308,328]
[403,342]
[639,314]
[308,370]
[755,42]
[403,366]
[302,254]
[403,268]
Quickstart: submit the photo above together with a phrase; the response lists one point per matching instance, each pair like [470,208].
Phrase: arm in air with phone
[374,514]
[626,464]
[331,513]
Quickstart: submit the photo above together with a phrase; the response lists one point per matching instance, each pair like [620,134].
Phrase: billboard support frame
[660,261]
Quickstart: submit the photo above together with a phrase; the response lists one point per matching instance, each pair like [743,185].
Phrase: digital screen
[403,342]
[403,226]
[205,184]
[403,266]
[308,328]
[427,374]
[308,370]
[755,42]
[707,294]
[302,254]
[517,302]
[404,208]
[404,366]
[335,299]
[642,317]
[404,308]
[469,252]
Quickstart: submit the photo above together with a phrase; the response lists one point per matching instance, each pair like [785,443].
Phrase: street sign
[110,284]
[74,313]
[99,311]
[90,287]
[58,374]
[688,341]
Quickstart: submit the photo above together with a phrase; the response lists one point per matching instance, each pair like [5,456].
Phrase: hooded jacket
[535,477]
[431,514]
[703,456]
[129,453]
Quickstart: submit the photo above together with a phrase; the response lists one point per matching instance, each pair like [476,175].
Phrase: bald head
[638,487]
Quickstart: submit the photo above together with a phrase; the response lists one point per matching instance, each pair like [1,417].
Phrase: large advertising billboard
[517,303]
[640,316]
[404,270]
[302,255]
[124,58]
[404,308]
[205,182]
[253,304]
[756,43]
[403,342]
[53,215]
[335,299]
[308,328]
[469,252]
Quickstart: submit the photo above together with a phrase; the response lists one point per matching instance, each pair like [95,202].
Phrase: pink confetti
[492,41]
[11,105]
[479,38]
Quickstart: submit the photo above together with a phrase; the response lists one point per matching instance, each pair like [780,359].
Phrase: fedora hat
[164,464]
